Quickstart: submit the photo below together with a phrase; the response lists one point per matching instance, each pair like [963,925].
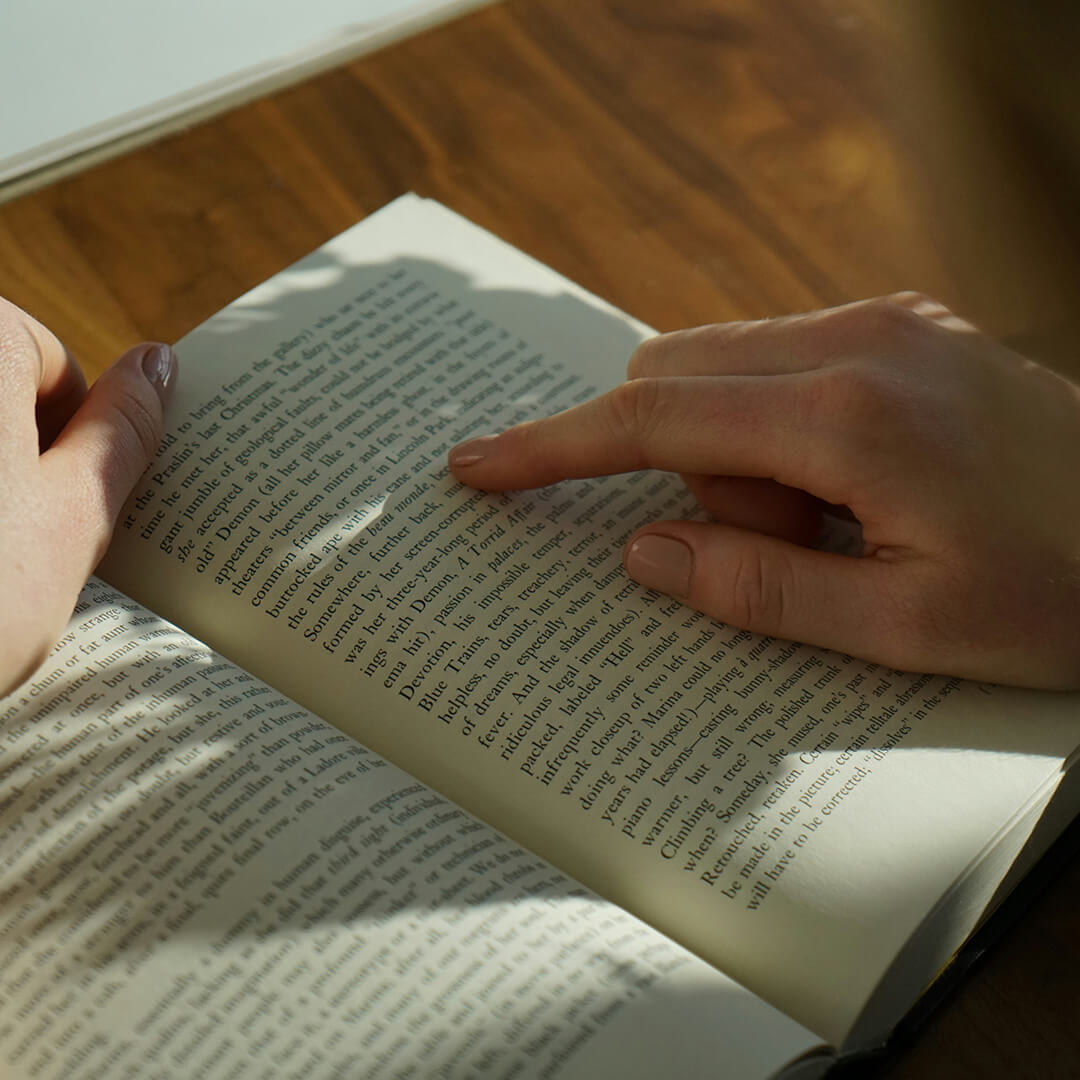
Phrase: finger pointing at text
[959,458]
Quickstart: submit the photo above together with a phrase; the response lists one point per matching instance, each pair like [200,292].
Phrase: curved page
[766,804]
[201,879]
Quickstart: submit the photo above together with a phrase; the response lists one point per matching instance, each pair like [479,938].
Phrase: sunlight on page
[766,804]
[856,855]
[238,321]
[258,306]
[213,878]
[313,276]
[531,399]
[916,888]
[340,530]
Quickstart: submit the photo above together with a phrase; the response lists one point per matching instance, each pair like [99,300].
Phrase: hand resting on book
[68,460]
[959,457]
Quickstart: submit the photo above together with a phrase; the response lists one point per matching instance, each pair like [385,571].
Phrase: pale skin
[68,459]
[959,457]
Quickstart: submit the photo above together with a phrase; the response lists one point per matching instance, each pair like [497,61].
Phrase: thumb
[765,584]
[106,446]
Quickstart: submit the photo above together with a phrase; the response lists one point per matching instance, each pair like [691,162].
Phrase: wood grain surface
[690,161]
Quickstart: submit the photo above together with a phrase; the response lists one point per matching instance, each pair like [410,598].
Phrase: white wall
[76,73]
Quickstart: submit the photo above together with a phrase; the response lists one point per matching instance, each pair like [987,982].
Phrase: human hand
[960,459]
[68,460]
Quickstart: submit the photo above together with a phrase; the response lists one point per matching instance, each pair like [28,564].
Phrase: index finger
[730,426]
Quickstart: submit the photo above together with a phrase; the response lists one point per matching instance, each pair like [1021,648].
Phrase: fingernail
[661,563]
[469,453]
[159,365]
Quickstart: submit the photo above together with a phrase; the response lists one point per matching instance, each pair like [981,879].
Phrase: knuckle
[664,353]
[760,591]
[646,357]
[910,298]
[635,409]
[863,393]
[866,395]
[139,424]
[889,319]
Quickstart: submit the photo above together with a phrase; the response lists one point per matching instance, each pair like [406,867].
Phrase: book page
[198,878]
[766,804]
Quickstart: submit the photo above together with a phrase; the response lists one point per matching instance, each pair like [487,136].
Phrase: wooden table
[690,161]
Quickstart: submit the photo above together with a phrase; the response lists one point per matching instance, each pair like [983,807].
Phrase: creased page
[201,879]
[765,803]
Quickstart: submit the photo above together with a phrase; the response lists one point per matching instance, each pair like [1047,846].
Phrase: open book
[425,786]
